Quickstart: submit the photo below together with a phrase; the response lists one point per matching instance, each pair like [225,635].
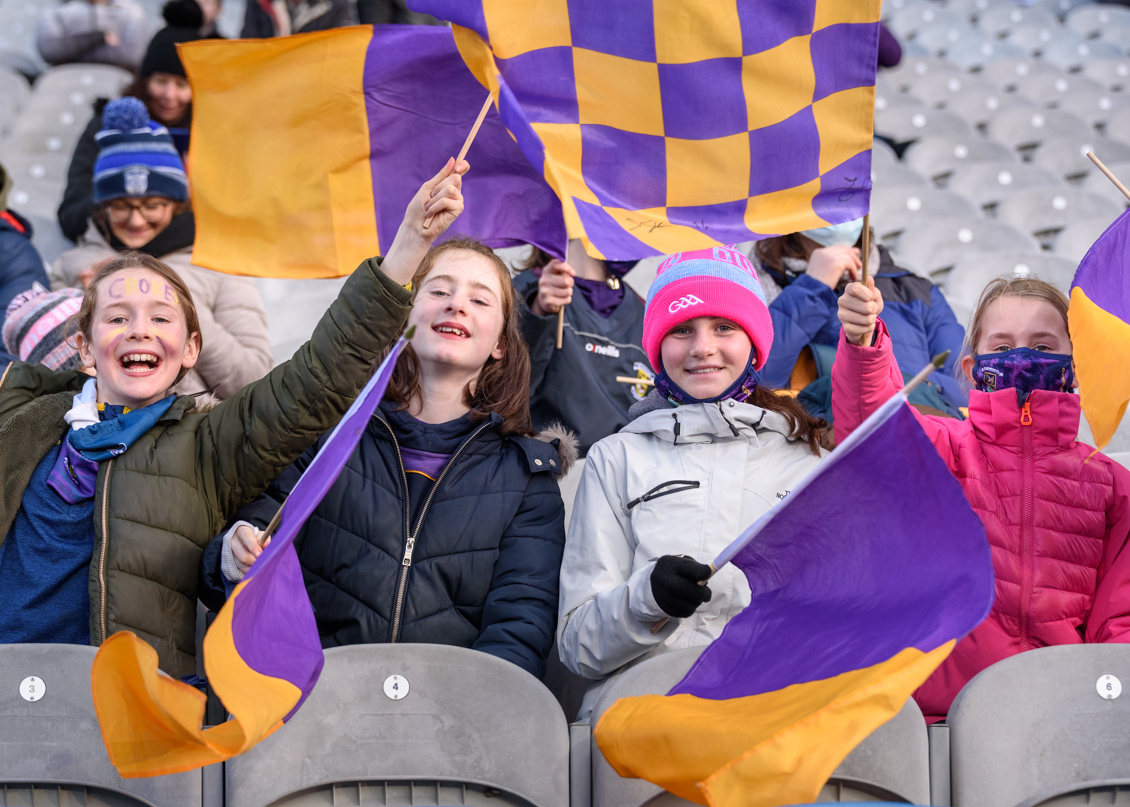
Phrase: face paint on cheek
[111,338]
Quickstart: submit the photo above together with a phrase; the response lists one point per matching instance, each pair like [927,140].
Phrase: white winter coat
[744,464]
[233,324]
[69,33]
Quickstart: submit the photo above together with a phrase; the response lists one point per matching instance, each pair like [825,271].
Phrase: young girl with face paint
[1056,512]
[804,273]
[113,485]
[708,452]
[447,526]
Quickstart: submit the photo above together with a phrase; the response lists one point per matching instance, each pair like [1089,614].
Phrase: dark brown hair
[538,258]
[503,385]
[802,426]
[83,321]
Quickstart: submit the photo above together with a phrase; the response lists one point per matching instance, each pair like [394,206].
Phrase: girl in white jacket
[707,453]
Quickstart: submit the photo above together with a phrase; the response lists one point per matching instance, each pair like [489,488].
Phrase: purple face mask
[1024,370]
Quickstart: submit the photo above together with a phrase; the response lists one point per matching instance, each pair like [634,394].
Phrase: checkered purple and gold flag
[682,124]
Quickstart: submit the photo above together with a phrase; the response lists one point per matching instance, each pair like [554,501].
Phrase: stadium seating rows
[1043,728]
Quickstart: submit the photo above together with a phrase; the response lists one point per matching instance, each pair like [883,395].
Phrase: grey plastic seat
[1113,74]
[14,91]
[973,9]
[1044,213]
[1049,89]
[1006,72]
[881,151]
[938,38]
[908,21]
[934,246]
[891,7]
[47,237]
[1067,156]
[1097,183]
[903,103]
[93,79]
[69,121]
[1118,126]
[1073,55]
[938,89]
[1000,20]
[905,124]
[1059,8]
[1096,109]
[36,197]
[912,68]
[53,750]
[471,729]
[969,276]
[978,106]
[1121,457]
[973,54]
[896,175]
[987,184]
[1035,730]
[1078,237]
[1089,19]
[1021,128]
[937,157]
[38,167]
[895,209]
[1034,37]
[890,765]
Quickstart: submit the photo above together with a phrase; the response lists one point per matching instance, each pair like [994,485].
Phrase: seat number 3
[32,688]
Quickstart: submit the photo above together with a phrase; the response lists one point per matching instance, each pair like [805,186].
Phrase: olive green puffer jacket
[159,504]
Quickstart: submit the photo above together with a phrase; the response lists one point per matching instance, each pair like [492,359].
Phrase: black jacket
[483,571]
[20,265]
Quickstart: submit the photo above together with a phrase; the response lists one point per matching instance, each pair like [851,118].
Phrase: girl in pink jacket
[1056,512]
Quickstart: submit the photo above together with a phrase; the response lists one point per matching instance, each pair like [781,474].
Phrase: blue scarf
[739,391]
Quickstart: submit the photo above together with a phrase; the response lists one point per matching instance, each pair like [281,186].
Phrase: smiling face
[1011,322]
[136,222]
[704,356]
[169,97]
[458,312]
[138,339]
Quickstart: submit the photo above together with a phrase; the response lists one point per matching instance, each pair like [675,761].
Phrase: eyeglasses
[120,211]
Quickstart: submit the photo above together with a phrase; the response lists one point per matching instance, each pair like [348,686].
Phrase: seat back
[53,749]
[460,727]
[891,764]
[1042,724]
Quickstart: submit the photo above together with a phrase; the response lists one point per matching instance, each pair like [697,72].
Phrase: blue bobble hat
[136,156]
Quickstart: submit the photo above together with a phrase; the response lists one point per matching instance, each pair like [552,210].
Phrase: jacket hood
[568,447]
[707,422]
[995,417]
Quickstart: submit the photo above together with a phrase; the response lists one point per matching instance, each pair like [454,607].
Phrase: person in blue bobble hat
[706,453]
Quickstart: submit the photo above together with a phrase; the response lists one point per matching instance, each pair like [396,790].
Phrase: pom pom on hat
[183,14]
[716,282]
[125,114]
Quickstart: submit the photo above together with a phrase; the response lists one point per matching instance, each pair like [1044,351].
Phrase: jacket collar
[995,417]
[708,422]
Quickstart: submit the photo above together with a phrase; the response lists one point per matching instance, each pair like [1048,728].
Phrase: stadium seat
[1044,213]
[53,750]
[896,175]
[908,21]
[895,209]
[14,91]
[1000,20]
[934,246]
[969,276]
[912,68]
[937,157]
[36,197]
[68,122]
[1089,19]
[34,168]
[464,728]
[295,307]
[1067,156]
[897,101]
[972,9]
[1118,126]
[978,106]
[893,6]
[1049,89]
[1044,728]
[1077,237]
[1060,8]
[92,79]
[1034,37]
[1072,55]
[986,184]
[890,765]
[1006,72]
[47,237]
[882,151]
[1114,74]
[1121,457]
[1097,183]
[938,38]
[938,89]
[1022,128]
[974,54]
[1095,109]
[904,123]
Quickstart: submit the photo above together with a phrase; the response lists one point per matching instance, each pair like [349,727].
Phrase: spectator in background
[268,18]
[20,264]
[384,12]
[162,85]
[142,197]
[103,31]
[576,385]
[447,525]
[805,273]
[211,10]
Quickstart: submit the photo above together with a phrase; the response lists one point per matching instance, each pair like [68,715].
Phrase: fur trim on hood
[568,448]
[206,402]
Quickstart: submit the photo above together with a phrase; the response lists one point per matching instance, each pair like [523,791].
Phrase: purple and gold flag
[262,655]
[863,580]
[681,125]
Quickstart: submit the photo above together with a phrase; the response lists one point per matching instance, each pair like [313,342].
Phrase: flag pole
[273,525]
[627,379]
[560,325]
[467,143]
[1109,175]
[866,253]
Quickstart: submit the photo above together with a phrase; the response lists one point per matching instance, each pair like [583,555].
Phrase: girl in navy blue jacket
[446,525]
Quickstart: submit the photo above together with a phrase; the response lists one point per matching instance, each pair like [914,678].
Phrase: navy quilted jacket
[484,565]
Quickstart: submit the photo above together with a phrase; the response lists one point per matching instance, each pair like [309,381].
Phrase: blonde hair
[1011,286]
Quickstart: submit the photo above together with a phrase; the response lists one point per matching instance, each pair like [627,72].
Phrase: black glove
[676,587]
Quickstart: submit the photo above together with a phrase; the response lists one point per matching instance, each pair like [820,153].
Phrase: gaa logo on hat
[685,301]
[137,180]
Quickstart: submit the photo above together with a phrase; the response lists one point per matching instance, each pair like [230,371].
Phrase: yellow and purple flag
[1099,319]
[262,655]
[681,125]
[863,580]
[306,150]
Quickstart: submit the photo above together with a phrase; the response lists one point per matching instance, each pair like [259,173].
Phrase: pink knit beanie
[716,282]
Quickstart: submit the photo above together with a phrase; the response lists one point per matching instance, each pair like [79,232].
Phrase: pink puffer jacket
[1056,514]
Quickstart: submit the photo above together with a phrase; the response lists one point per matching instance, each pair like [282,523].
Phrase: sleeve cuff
[228,566]
[641,600]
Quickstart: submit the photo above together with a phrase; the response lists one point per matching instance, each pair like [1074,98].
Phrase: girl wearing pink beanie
[707,453]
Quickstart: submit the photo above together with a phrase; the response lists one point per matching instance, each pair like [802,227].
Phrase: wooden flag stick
[866,253]
[627,379]
[273,525]
[560,325]
[1109,175]
[470,139]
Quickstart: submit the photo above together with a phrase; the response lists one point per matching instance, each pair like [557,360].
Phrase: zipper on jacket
[409,533]
[1026,526]
[104,552]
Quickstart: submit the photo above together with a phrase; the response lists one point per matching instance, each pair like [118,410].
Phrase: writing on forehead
[121,287]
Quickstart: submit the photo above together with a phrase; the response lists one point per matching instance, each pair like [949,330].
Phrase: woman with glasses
[141,203]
